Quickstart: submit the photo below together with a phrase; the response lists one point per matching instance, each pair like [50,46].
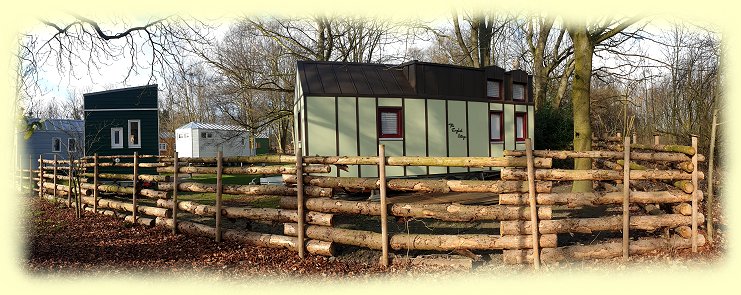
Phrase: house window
[520,126]
[496,121]
[207,135]
[518,92]
[390,122]
[163,146]
[135,133]
[56,144]
[493,89]
[117,138]
[71,145]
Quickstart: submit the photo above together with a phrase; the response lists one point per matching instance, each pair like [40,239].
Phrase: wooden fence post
[41,176]
[30,173]
[69,183]
[300,200]
[711,167]
[533,205]
[694,194]
[95,183]
[635,138]
[656,139]
[175,196]
[54,173]
[135,186]
[219,187]
[626,198]
[384,206]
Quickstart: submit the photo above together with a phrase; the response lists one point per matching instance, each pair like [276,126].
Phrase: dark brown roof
[411,80]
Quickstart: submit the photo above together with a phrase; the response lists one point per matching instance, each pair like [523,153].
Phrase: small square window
[520,126]
[56,144]
[496,121]
[163,146]
[390,122]
[518,92]
[493,89]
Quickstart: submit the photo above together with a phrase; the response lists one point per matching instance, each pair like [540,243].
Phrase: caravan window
[493,89]
[117,138]
[71,145]
[496,121]
[518,92]
[520,126]
[390,122]
[207,134]
[135,134]
[163,146]
[56,144]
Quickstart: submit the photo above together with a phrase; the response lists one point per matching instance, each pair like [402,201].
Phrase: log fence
[308,202]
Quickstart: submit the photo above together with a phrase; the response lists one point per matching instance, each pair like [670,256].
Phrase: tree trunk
[250,238]
[277,190]
[263,214]
[590,225]
[575,175]
[446,212]
[580,99]
[636,156]
[372,240]
[573,200]
[421,185]
[599,251]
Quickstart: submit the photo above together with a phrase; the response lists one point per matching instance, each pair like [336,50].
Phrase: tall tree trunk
[583,50]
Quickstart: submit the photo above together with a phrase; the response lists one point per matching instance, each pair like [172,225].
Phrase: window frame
[501,127]
[71,147]
[138,134]
[524,126]
[160,146]
[120,145]
[524,92]
[399,122]
[58,139]
[501,90]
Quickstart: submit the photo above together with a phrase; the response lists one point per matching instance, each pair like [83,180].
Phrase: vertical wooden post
[533,204]
[219,187]
[41,176]
[300,199]
[69,183]
[635,138]
[95,183]
[656,139]
[626,198]
[30,173]
[135,186]
[175,196]
[694,194]
[384,206]
[54,171]
[711,167]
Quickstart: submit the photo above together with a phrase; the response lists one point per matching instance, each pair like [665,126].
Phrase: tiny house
[204,140]
[60,137]
[414,109]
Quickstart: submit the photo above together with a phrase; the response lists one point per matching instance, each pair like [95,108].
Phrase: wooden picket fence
[309,201]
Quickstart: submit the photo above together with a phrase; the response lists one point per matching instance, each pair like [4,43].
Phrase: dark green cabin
[121,122]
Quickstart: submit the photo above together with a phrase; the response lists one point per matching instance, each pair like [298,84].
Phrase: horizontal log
[126,217]
[445,212]
[573,200]
[421,185]
[685,166]
[684,231]
[571,175]
[50,177]
[251,238]
[124,157]
[126,165]
[684,185]
[62,189]
[128,207]
[130,177]
[683,208]
[247,170]
[264,214]
[590,225]
[237,159]
[234,189]
[599,251]
[429,161]
[635,156]
[372,240]
[123,190]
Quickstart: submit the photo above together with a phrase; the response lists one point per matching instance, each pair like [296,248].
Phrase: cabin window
[135,133]
[71,145]
[56,144]
[496,121]
[207,134]
[390,122]
[520,126]
[493,89]
[117,138]
[163,146]
[518,92]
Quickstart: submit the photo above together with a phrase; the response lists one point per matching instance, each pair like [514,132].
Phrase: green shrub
[554,130]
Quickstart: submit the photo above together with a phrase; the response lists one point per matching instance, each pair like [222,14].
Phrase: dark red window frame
[523,115]
[399,122]
[501,126]
[501,86]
